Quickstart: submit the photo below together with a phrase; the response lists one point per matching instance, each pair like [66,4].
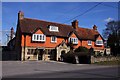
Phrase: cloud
[108,19]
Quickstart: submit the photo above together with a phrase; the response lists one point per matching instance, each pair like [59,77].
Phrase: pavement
[53,69]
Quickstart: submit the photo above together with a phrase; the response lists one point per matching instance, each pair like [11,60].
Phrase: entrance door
[53,54]
[40,54]
[61,56]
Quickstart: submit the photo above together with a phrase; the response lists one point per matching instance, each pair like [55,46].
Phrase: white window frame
[42,36]
[73,40]
[99,44]
[89,42]
[52,39]
[53,28]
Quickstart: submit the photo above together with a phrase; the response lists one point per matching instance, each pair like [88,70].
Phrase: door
[40,54]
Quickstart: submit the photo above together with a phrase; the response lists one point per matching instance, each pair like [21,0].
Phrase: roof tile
[28,25]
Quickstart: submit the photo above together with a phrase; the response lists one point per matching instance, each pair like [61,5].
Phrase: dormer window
[99,42]
[73,40]
[39,37]
[89,42]
[53,28]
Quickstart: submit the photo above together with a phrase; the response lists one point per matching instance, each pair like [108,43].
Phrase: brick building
[43,40]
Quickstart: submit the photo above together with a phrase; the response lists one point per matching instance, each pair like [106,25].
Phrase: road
[44,69]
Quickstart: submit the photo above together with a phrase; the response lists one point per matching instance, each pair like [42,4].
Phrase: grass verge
[116,62]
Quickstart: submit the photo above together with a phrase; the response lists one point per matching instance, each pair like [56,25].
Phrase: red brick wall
[48,43]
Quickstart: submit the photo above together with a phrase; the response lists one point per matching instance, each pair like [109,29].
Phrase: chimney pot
[20,15]
[95,27]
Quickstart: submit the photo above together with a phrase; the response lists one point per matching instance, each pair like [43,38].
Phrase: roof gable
[72,34]
[38,31]
[99,37]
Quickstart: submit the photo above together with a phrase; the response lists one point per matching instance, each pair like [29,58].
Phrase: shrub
[83,55]
[69,57]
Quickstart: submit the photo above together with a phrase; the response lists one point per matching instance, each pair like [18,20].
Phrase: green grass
[108,63]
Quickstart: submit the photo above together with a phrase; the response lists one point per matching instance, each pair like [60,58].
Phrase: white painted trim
[35,39]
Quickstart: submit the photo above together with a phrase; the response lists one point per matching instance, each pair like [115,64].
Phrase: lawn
[116,62]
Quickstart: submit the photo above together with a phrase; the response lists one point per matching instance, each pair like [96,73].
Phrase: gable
[62,45]
[99,38]
[73,35]
[38,32]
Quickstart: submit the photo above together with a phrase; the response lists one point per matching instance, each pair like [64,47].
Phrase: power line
[69,11]
[110,6]
[84,12]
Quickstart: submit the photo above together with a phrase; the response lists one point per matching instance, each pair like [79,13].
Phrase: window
[89,42]
[30,51]
[99,42]
[53,28]
[38,37]
[73,40]
[53,39]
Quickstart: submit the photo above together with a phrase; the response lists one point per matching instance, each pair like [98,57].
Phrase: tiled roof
[28,25]
[84,33]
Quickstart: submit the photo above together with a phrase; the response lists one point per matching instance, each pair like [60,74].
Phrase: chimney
[75,24]
[11,33]
[95,27]
[20,15]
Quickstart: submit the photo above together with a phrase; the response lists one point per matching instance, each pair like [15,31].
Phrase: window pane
[29,51]
[40,37]
[70,39]
[53,39]
[43,37]
[89,42]
[37,37]
[77,40]
[74,40]
[34,36]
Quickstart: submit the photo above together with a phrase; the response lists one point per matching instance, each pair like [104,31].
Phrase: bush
[84,57]
[82,49]
[69,57]
[83,54]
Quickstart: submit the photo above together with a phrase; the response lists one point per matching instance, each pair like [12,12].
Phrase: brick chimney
[20,15]
[11,33]
[75,24]
[95,27]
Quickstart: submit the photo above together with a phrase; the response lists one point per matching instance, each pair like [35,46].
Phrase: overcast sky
[61,12]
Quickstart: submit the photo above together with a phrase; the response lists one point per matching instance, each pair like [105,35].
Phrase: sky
[60,12]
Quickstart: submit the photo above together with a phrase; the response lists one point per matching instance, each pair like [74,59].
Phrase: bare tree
[112,34]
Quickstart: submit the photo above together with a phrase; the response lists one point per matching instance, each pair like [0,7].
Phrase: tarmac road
[52,69]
